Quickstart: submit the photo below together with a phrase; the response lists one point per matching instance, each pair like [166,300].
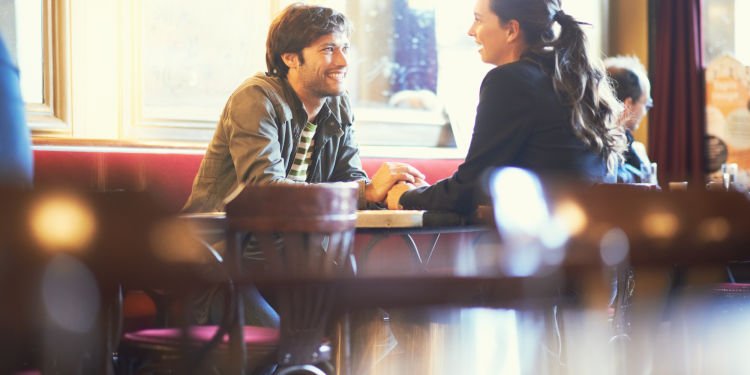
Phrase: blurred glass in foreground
[530,234]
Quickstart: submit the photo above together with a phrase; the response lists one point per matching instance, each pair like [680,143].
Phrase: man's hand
[420,182]
[388,175]
[394,195]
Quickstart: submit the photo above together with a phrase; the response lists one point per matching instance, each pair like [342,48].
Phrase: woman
[545,106]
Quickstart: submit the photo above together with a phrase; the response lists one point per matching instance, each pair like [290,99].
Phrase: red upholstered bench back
[166,173]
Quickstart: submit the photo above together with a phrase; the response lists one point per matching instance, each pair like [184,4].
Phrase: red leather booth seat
[166,173]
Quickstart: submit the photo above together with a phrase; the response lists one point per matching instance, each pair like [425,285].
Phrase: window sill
[107,145]
[104,145]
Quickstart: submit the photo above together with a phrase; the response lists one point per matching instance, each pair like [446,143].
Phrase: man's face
[322,71]
[636,110]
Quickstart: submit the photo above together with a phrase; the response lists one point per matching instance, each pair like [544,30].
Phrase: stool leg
[236,333]
[343,356]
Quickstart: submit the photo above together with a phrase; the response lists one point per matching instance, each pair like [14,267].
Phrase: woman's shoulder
[521,72]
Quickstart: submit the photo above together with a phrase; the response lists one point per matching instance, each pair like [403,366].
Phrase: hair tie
[558,15]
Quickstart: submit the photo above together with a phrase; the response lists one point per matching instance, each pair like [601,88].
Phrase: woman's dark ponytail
[584,85]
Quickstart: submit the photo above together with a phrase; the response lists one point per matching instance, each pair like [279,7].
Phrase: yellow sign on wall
[728,112]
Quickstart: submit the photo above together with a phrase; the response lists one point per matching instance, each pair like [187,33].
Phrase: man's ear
[628,104]
[290,59]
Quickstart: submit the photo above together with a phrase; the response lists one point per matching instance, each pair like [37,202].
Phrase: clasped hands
[391,181]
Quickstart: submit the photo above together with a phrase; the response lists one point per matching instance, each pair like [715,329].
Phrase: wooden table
[380,224]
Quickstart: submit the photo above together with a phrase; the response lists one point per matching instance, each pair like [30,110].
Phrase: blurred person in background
[16,162]
[633,89]
[16,171]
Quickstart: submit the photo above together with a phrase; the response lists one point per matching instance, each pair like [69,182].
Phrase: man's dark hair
[627,74]
[295,28]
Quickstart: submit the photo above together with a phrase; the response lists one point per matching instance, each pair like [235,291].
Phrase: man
[634,91]
[294,123]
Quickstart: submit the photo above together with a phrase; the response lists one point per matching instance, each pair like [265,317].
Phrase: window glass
[194,53]
[724,29]
[21,29]
[414,72]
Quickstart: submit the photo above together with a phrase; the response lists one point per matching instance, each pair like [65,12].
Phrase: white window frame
[52,116]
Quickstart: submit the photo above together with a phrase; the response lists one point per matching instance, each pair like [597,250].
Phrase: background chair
[602,228]
[195,349]
[677,244]
[65,255]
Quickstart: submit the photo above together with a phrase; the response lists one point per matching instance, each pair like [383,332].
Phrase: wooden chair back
[305,233]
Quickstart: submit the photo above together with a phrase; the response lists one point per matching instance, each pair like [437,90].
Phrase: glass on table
[729,174]
[678,185]
[649,173]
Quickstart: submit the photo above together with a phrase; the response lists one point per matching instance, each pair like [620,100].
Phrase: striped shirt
[303,156]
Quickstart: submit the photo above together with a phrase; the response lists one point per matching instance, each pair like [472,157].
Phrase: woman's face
[490,35]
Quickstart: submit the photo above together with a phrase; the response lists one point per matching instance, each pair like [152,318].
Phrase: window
[189,57]
[28,28]
[162,70]
[422,81]
[21,26]
[723,29]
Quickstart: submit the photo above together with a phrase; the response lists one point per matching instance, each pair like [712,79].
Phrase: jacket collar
[330,119]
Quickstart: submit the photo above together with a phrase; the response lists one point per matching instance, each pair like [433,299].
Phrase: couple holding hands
[546,107]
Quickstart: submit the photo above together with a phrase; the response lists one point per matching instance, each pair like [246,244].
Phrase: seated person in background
[16,163]
[633,88]
[290,125]
[552,119]
[16,171]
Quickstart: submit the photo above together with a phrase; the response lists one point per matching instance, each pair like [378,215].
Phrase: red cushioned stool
[164,350]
